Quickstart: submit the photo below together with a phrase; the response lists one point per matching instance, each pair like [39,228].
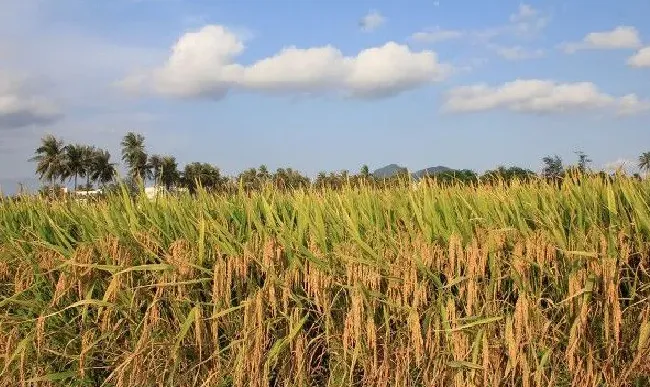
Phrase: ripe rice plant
[523,284]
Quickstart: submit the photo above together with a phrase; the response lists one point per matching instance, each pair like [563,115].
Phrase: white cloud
[517,52]
[528,21]
[372,21]
[202,64]
[525,12]
[641,58]
[392,68]
[20,106]
[435,35]
[619,38]
[539,96]
[295,69]
[631,104]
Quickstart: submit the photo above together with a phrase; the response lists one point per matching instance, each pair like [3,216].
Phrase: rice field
[501,285]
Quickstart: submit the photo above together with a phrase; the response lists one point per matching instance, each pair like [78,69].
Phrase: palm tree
[169,174]
[202,174]
[134,156]
[89,152]
[155,163]
[644,162]
[74,154]
[102,169]
[50,159]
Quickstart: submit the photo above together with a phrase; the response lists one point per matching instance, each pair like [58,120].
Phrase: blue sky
[466,84]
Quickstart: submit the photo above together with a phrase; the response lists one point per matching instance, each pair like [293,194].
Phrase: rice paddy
[522,284]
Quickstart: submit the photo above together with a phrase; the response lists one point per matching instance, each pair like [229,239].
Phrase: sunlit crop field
[526,285]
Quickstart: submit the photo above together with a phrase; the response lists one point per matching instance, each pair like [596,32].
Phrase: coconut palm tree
[169,174]
[88,155]
[155,164]
[134,155]
[102,170]
[202,174]
[644,162]
[75,164]
[50,159]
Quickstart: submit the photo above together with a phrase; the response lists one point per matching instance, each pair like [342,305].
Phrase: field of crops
[526,285]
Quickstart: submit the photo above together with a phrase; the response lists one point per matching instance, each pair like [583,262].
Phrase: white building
[88,193]
[153,192]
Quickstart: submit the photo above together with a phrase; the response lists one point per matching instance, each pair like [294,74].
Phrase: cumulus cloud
[539,96]
[390,69]
[20,106]
[641,58]
[435,35]
[203,64]
[631,104]
[619,38]
[517,52]
[372,21]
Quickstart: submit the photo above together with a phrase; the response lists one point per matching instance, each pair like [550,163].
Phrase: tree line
[57,162]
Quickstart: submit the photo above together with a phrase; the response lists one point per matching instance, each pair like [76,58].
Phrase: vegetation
[527,283]
[644,162]
[57,163]
[508,174]
[553,167]
[133,154]
[101,169]
[50,159]
[202,175]
[583,161]
[270,279]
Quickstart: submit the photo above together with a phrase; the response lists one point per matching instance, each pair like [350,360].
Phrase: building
[88,193]
[153,192]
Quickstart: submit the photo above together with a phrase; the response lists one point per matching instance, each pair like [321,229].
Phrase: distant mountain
[430,171]
[389,171]
[393,169]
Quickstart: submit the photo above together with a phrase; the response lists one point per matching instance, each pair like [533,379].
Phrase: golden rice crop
[522,284]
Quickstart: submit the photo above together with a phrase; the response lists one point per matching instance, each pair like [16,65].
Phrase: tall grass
[527,285]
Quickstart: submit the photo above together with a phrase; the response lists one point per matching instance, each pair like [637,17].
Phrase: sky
[328,85]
